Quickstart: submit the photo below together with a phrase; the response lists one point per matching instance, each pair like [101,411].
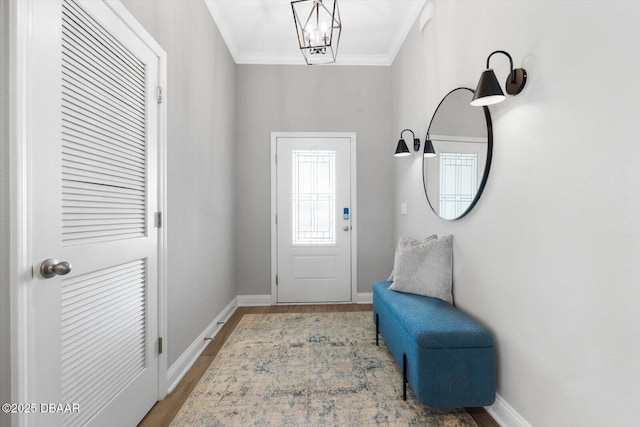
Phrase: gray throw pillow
[424,268]
[433,236]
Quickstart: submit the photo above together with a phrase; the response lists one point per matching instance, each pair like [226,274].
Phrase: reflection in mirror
[463,141]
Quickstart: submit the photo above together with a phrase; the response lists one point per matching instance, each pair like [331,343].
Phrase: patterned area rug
[307,369]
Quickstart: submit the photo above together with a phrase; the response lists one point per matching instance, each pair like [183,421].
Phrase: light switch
[403,208]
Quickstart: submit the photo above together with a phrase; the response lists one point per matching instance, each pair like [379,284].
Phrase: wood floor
[165,410]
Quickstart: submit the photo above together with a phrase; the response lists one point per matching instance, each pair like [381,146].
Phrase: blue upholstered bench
[447,357]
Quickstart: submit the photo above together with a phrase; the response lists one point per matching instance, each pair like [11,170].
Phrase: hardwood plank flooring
[165,410]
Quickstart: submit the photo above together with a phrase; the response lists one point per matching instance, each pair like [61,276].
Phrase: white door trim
[21,101]
[19,221]
[274,204]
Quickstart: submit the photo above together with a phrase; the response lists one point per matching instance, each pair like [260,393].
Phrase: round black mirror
[463,142]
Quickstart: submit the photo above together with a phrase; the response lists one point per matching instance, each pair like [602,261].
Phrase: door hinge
[158,220]
[276,219]
[159,345]
[159,94]
[276,280]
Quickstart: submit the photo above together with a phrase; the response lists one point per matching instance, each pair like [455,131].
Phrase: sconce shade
[428,148]
[402,150]
[488,91]
[318,26]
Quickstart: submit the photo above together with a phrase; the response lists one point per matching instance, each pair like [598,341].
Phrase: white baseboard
[181,366]
[363,298]
[262,300]
[505,415]
[253,300]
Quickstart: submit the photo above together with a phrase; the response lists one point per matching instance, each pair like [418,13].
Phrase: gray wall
[5,308]
[200,96]
[548,259]
[323,98]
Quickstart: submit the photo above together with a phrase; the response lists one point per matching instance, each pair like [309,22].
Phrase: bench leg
[377,327]
[404,376]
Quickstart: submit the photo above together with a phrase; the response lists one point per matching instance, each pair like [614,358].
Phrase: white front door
[94,145]
[314,212]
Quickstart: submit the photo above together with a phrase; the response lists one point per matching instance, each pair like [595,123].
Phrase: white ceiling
[263,31]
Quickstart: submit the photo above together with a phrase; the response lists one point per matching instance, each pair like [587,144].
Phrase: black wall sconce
[489,92]
[428,147]
[402,150]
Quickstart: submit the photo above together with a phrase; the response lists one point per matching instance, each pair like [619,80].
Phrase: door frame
[353,208]
[21,99]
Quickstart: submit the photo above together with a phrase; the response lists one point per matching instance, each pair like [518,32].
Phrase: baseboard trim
[505,415]
[253,300]
[265,300]
[181,366]
[364,298]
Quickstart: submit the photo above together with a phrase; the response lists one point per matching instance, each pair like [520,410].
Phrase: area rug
[307,369]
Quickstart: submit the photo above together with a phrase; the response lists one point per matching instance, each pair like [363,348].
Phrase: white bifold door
[314,232]
[93,154]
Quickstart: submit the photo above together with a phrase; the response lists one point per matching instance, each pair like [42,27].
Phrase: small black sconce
[428,148]
[489,92]
[402,150]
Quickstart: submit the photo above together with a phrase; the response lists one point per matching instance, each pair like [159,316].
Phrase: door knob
[345,228]
[52,267]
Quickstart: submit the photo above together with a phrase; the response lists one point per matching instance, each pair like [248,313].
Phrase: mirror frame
[487,167]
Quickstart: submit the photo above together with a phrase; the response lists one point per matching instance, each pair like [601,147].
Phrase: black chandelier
[318,26]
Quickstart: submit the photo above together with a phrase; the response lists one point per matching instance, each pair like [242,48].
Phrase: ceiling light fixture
[489,92]
[318,26]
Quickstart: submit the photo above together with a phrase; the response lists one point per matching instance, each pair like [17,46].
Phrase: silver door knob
[345,228]
[52,267]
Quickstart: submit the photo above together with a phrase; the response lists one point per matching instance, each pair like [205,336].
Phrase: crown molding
[297,59]
[404,28]
[222,27]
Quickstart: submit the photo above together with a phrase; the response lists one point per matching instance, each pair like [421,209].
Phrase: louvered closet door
[95,193]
